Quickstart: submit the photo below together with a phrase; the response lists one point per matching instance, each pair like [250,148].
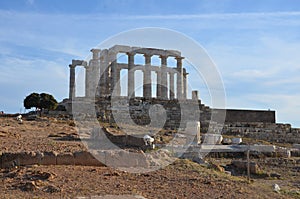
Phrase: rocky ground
[182,179]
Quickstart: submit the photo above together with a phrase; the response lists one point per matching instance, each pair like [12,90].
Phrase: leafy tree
[47,101]
[40,101]
[32,100]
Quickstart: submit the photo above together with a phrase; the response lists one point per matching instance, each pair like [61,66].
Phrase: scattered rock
[29,186]
[228,173]
[236,140]
[39,175]
[275,175]
[217,167]
[112,174]
[276,188]
[51,189]
[226,141]
[242,165]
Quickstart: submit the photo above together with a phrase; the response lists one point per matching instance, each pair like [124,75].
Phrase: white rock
[148,140]
[236,140]
[276,188]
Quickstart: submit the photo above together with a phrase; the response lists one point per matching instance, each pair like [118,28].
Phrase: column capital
[87,67]
[95,53]
[95,50]
[130,53]
[179,58]
[163,56]
[147,59]
[72,66]
[163,60]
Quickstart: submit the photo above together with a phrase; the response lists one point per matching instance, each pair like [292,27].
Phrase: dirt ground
[182,179]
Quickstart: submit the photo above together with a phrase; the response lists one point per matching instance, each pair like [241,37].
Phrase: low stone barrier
[85,158]
[116,158]
[49,158]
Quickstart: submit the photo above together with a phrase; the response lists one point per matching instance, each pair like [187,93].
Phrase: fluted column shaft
[104,72]
[179,78]
[72,87]
[158,84]
[147,89]
[93,74]
[88,79]
[114,82]
[164,77]
[131,86]
[172,86]
[185,88]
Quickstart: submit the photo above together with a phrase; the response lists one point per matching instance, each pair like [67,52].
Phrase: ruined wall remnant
[234,115]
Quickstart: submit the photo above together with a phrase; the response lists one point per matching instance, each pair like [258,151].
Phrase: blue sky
[254,43]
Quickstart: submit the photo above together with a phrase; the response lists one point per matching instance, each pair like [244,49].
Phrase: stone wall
[235,115]
[141,110]
[82,158]
[178,112]
[282,133]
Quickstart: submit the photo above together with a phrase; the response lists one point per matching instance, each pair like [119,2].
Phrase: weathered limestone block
[242,165]
[193,128]
[212,138]
[65,159]
[226,141]
[263,148]
[9,160]
[193,156]
[132,140]
[85,158]
[49,158]
[236,140]
[29,158]
[121,158]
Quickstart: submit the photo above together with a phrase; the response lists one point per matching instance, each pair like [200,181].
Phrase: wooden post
[248,164]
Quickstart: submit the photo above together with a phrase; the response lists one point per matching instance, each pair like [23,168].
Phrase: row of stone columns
[106,65]
[162,80]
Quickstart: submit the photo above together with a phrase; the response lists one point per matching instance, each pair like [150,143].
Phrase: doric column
[164,78]
[88,79]
[185,88]
[172,86]
[131,86]
[158,83]
[195,95]
[117,82]
[93,74]
[114,83]
[104,83]
[179,77]
[147,89]
[72,82]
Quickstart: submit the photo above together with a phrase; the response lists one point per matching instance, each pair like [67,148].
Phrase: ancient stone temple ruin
[103,88]
[103,73]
